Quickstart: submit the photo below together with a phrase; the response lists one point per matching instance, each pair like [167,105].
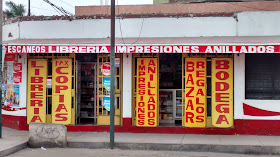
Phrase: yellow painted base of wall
[105,120]
[49,118]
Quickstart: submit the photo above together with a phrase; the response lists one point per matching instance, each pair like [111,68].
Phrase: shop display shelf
[87,117]
[86,106]
[87,93]
[178,118]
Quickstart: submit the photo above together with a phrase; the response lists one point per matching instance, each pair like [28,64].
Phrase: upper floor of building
[238,19]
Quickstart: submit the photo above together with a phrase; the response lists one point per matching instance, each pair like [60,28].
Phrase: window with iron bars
[262,76]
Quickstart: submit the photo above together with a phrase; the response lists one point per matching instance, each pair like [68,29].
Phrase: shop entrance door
[145,100]
[203,76]
[103,89]
[86,91]
[170,93]
[57,82]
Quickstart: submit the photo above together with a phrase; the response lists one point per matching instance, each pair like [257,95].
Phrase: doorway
[57,99]
[170,89]
[86,88]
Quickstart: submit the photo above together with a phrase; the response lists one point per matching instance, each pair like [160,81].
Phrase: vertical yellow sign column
[147,92]
[36,94]
[222,92]
[61,91]
[195,92]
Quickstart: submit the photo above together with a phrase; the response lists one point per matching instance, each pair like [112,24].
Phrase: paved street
[68,152]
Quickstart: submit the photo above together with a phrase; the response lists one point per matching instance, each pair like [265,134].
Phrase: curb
[238,149]
[13,149]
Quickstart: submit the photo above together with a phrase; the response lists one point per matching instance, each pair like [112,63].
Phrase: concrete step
[179,142]
[12,148]
[241,149]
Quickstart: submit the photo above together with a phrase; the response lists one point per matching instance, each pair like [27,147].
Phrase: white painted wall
[152,27]
[247,24]
[177,27]
[98,28]
[239,94]
[127,85]
[239,85]
[12,28]
[265,23]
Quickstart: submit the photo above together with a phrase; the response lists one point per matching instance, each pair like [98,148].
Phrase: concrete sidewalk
[12,141]
[180,142]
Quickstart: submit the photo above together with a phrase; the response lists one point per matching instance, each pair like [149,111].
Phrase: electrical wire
[41,8]
[140,32]
[63,11]
[56,10]
[67,3]
[121,28]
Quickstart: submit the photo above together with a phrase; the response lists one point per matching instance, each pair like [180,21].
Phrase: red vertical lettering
[190,66]
[222,64]
[61,98]
[36,111]
[35,118]
[60,117]
[33,65]
[58,70]
[200,64]
[37,80]
[59,88]
[222,86]
[189,116]
[36,102]
[37,71]
[222,118]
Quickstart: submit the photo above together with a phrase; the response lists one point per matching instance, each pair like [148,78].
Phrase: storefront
[159,88]
[186,97]
[62,88]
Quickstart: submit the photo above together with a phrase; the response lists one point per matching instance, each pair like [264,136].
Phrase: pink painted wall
[195,8]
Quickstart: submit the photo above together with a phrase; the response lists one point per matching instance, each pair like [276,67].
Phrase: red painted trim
[15,122]
[127,122]
[242,127]
[253,111]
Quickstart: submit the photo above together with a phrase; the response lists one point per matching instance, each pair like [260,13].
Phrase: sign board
[106,102]
[16,95]
[11,57]
[49,83]
[222,92]
[230,48]
[195,92]
[106,68]
[36,90]
[17,76]
[61,91]
[147,92]
[117,62]
[107,83]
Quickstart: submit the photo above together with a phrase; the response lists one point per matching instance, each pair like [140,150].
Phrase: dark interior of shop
[170,89]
